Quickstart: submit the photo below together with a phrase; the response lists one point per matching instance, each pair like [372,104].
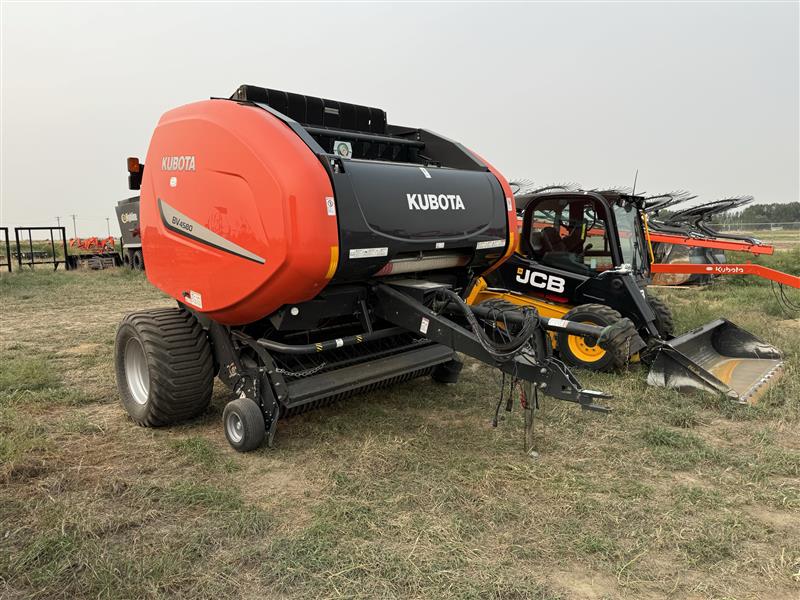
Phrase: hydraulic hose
[502,351]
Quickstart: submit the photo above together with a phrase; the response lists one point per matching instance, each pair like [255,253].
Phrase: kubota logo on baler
[435,202]
[177,163]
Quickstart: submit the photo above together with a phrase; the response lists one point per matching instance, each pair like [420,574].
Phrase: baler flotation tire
[137,261]
[126,261]
[164,367]
[244,425]
[664,320]
[576,351]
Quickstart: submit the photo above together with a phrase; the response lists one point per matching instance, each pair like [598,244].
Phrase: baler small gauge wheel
[163,366]
[137,261]
[579,352]
[244,425]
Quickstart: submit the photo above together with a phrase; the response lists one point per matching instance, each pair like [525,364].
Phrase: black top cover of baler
[317,112]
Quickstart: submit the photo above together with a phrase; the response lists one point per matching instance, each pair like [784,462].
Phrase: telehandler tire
[164,368]
[575,350]
[665,325]
[664,321]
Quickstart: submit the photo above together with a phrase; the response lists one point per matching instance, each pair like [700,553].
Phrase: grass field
[405,493]
[782,239]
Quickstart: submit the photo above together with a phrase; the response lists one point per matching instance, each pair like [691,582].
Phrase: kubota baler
[316,251]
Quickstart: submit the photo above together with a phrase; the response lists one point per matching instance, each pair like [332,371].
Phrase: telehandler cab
[584,256]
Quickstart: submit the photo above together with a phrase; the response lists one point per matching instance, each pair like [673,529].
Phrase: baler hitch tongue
[718,357]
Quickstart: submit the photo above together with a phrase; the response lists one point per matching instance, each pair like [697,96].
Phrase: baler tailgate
[718,357]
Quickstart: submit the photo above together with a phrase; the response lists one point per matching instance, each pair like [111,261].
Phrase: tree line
[788,212]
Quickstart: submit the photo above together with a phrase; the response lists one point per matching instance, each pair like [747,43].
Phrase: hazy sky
[696,96]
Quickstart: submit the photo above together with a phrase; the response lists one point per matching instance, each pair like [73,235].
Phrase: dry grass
[782,239]
[404,493]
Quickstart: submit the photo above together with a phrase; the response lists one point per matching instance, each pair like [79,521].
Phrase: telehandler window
[569,235]
[633,252]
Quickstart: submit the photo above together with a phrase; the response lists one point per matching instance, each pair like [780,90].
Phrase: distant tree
[788,212]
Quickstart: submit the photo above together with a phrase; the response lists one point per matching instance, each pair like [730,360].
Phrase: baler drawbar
[316,251]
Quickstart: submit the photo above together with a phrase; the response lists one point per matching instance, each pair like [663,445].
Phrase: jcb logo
[541,280]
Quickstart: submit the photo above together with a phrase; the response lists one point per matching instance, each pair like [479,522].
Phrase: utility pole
[108,227]
[74,228]
[58,220]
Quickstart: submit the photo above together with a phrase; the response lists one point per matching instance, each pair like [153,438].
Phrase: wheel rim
[136,372]
[234,427]
[583,351]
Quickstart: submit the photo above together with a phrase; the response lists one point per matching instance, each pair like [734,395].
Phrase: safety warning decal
[193,298]
[490,244]
[330,205]
[368,252]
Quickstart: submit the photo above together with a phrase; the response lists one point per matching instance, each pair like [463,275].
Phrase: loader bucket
[718,357]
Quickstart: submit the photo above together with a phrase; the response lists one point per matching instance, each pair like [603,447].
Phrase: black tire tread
[180,363]
[618,356]
[137,260]
[664,319]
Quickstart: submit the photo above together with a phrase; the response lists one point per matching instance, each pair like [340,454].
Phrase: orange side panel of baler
[236,212]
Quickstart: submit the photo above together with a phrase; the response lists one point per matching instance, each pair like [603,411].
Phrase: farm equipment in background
[687,238]
[583,256]
[317,251]
[680,238]
[34,253]
[128,219]
[691,228]
[93,252]
[695,222]
[93,244]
